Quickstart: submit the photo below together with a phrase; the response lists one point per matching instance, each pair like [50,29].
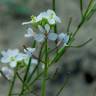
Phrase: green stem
[63,86]
[25,77]
[54,8]
[54,5]
[13,82]
[43,93]
[39,60]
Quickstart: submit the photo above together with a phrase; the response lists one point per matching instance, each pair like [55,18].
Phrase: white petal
[61,36]
[39,18]
[13,52]
[29,33]
[20,57]
[51,12]
[5,60]
[51,21]
[47,27]
[64,37]
[52,36]
[39,37]
[58,19]
[29,51]
[13,64]
[34,61]
[41,29]
[7,72]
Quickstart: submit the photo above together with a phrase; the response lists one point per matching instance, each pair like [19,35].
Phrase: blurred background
[78,65]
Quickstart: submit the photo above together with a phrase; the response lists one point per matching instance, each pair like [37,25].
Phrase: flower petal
[58,19]
[52,36]
[39,37]
[29,33]
[51,21]
[7,72]
[29,51]
[64,37]
[41,29]
[34,61]
[47,27]
[13,64]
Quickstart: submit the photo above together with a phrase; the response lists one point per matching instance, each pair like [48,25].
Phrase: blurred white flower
[12,57]
[49,16]
[64,38]
[29,51]
[45,29]
[39,37]
[52,18]
[29,33]
[9,73]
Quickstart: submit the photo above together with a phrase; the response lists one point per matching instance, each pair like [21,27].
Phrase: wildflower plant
[37,67]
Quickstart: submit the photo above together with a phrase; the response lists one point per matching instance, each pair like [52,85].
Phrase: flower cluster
[11,58]
[44,23]
[43,18]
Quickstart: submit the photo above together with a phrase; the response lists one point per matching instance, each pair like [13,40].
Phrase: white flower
[39,37]
[45,29]
[49,16]
[12,57]
[64,38]
[29,51]
[29,33]
[52,18]
[9,73]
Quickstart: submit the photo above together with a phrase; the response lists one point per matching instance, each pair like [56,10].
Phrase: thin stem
[13,82]
[54,8]
[62,87]
[54,5]
[43,93]
[69,24]
[39,60]
[25,77]
[81,7]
